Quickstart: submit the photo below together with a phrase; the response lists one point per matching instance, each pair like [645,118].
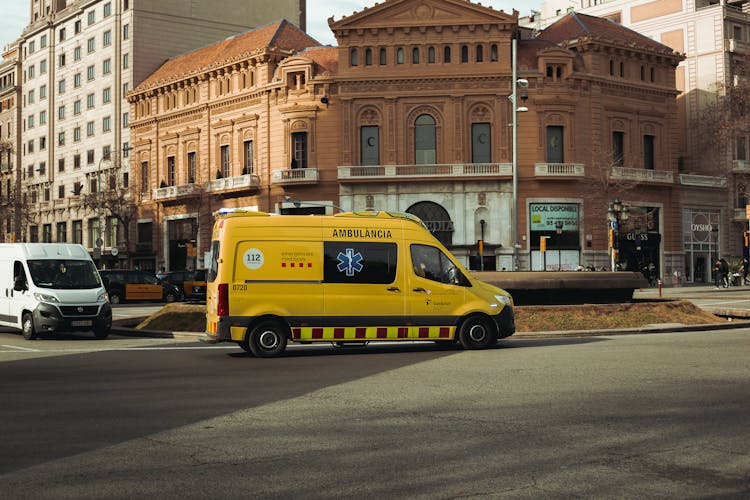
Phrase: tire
[267,340]
[477,333]
[170,297]
[101,333]
[27,326]
[115,298]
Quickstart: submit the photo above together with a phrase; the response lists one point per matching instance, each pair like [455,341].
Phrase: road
[651,416]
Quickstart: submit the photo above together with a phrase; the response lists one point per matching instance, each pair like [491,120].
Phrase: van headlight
[102,297]
[504,300]
[43,297]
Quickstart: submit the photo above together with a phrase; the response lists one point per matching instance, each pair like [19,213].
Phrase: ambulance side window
[432,264]
[359,262]
[213,267]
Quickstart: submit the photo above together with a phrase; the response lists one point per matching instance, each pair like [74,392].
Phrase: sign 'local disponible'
[545,216]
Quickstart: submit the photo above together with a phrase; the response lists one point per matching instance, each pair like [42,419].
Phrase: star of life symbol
[350,262]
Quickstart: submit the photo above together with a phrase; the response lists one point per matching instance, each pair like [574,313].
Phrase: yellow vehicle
[353,277]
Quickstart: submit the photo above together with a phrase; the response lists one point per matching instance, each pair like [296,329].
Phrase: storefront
[701,237]
[558,224]
[639,242]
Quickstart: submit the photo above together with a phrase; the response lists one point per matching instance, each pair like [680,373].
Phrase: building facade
[714,36]
[414,117]
[79,59]
[10,93]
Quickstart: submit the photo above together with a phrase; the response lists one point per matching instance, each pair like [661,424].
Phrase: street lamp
[517,82]
[559,231]
[617,212]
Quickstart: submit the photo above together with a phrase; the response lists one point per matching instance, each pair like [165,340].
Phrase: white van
[51,287]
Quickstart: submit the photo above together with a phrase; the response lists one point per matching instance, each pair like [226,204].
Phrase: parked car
[191,283]
[127,284]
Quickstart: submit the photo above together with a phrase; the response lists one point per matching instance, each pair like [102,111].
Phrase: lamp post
[559,231]
[517,82]
[617,212]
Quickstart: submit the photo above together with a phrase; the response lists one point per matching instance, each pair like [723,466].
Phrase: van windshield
[64,274]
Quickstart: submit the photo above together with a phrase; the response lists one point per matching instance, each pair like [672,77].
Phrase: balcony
[642,175]
[740,166]
[559,170]
[171,193]
[295,176]
[425,172]
[233,184]
[703,181]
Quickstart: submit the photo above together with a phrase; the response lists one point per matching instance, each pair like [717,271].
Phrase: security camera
[522,82]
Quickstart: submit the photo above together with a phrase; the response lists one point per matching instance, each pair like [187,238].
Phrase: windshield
[64,274]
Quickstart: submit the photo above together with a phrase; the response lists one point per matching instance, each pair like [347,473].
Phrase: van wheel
[114,298]
[477,333]
[267,340]
[27,326]
[101,333]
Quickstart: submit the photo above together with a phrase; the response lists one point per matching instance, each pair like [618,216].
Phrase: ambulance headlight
[43,297]
[504,300]
[103,297]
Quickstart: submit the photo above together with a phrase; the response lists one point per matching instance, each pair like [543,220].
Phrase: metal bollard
[658,283]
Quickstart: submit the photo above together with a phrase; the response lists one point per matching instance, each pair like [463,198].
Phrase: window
[368,57]
[144,177]
[247,160]
[106,66]
[106,124]
[77,157]
[432,264]
[107,9]
[77,80]
[61,112]
[61,34]
[126,32]
[43,42]
[90,157]
[61,138]
[555,151]
[224,158]
[415,55]
[42,143]
[42,118]
[42,168]
[78,232]
[125,122]
[481,143]
[61,60]
[30,121]
[90,101]
[31,96]
[378,262]
[47,233]
[90,130]
[90,45]
[383,56]
[493,52]
[32,47]
[62,231]
[106,95]
[61,86]
[90,72]
[33,230]
[191,167]
[170,171]
[622,69]
[618,144]
[369,140]
[61,165]
[77,54]
[31,72]
[480,53]
[43,67]
[42,92]
[125,61]
[30,147]
[299,150]
[464,53]
[353,57]
[400,56]
[77,136]
[107,38]
[61,191]
[424,140]
[648,152]
[91,17]
[431,55]
[94,232]
[77,27]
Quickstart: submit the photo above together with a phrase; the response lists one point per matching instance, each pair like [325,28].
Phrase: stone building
[10,137]
[411,113]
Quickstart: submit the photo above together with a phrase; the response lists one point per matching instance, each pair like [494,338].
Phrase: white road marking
[19,348]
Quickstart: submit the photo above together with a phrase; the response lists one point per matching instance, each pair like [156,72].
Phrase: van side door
[362,285]
[6,293]
[435,292]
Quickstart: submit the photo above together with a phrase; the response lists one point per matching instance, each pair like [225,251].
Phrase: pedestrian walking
[744,270]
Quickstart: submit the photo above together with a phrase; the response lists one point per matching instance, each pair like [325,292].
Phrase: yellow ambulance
[353,277]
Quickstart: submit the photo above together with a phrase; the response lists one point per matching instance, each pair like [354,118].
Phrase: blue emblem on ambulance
[350,262]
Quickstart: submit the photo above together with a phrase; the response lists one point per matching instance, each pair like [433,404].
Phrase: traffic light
[611,238]
[543,244]
[747,238]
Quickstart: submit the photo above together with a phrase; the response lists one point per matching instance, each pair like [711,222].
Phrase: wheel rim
[27,326]
[268,340]
[477,333]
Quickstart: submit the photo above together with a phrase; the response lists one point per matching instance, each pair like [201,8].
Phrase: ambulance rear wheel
[477,333]
[267,339]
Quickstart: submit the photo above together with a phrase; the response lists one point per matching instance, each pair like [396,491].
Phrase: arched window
[424,140]
[480,53]
[415,55]
[383,57]
[400,56]
[446,54]
[464,53]
[493,52]
[353,57]
[368,57]
[436,218]
[431,55]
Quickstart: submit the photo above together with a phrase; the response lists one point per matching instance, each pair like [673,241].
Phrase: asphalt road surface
[648,416]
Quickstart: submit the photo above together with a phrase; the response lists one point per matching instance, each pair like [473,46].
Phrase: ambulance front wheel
[267,340]
[477,332]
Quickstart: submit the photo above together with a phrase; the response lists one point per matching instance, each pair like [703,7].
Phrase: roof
[576,25]
[280,34]
[326,58]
